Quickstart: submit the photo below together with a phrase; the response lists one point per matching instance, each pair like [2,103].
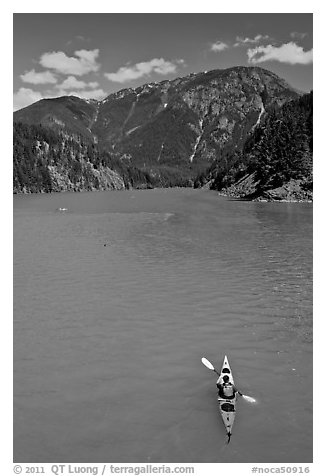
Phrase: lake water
[117,299]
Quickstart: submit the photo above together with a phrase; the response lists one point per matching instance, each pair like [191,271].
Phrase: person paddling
[226,389]
[210,366]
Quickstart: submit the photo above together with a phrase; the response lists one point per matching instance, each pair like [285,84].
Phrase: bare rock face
[292,191]
[243,188]
[90,179]
[247,188]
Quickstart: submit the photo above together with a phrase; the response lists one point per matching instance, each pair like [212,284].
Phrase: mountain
[159,134]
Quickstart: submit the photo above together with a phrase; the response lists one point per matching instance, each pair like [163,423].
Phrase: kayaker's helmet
[225,378]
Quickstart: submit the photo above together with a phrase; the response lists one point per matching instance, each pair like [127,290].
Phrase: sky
[92,55]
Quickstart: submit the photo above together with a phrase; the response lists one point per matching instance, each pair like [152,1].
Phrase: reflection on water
[116,301]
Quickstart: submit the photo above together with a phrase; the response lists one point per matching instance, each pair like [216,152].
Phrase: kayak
[227,406]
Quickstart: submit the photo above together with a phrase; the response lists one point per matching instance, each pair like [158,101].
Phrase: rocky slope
[247,188]
[165,133]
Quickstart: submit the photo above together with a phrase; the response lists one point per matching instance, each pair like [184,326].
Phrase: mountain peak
[180,124]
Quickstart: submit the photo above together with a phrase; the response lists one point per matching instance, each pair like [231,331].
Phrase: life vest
[228,389]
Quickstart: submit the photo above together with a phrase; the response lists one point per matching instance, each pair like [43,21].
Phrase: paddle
[211,367]
[249,399]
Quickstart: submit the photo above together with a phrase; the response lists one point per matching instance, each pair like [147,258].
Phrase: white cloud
[44,77]
[84,94]
[73,83]
[82,38]
[24,97]
[240,41]
[93,84]
[85,61]
[298,35]
[78,38]
[138,70]
[287,53]
[218,46]
[92,94]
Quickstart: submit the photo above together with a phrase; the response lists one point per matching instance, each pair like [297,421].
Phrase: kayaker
[227,389]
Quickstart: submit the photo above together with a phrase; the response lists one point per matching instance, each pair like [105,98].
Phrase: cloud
[82,38]
[44,77]
[240,41]
[84,62]
[78,38]
[287,53]
[298,35]
[92,94]
[87,93]
[73,83]
[83,94]
[24,97]
[93,84]
[218,46]
[138,70]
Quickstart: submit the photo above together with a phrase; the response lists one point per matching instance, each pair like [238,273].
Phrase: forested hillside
[277,154]
[46,161]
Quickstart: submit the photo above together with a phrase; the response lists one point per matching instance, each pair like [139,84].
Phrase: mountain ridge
[171,130]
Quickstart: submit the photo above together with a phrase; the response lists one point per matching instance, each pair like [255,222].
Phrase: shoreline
[218,193]
[264,199]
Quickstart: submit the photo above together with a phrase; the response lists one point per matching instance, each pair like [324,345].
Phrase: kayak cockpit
[225,371]
[228,407]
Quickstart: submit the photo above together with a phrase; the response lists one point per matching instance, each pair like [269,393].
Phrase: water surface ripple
[116,301]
